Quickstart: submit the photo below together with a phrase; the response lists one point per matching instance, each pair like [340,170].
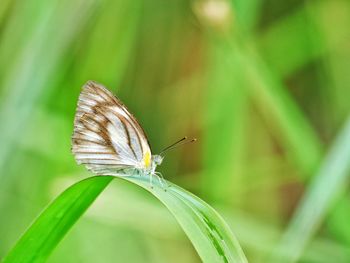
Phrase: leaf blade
[218,239]
[207,231]
[52,225]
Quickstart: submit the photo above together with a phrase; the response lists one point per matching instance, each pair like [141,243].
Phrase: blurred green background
[263,85]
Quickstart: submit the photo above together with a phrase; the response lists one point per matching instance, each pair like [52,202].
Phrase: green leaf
[207,231]
[325,188]
[50,227]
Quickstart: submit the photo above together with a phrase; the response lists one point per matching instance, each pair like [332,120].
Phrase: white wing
[107,137]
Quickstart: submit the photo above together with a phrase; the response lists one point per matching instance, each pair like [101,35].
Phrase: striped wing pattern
[107,137]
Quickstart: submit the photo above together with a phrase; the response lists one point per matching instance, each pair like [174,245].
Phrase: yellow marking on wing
[147,159]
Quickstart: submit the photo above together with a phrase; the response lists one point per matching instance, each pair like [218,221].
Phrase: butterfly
[108,139]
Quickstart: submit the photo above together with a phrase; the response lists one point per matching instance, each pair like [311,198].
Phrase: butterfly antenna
[177,143]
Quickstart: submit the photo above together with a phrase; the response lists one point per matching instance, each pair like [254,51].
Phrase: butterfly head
[155,161]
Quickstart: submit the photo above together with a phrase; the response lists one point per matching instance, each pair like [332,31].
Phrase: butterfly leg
[150,180]
[138,172]
[161,180]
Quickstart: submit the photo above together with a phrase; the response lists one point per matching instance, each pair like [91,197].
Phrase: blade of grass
[336,80]
[266,87]
[328,184]
[35,62]
[295,33]
[338,221]
[247,13]
[207,231]
[226,117]
[260,237]
[253,234]
[302,144]
[106,61]
[293,128]
[49,228]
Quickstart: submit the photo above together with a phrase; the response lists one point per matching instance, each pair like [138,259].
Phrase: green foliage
[49,228]
[326,186]
[205,228]
[263,85]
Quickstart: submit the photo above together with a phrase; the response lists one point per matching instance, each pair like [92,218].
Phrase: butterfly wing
[107,137]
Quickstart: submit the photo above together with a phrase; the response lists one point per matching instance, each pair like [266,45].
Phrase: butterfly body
[107,138]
